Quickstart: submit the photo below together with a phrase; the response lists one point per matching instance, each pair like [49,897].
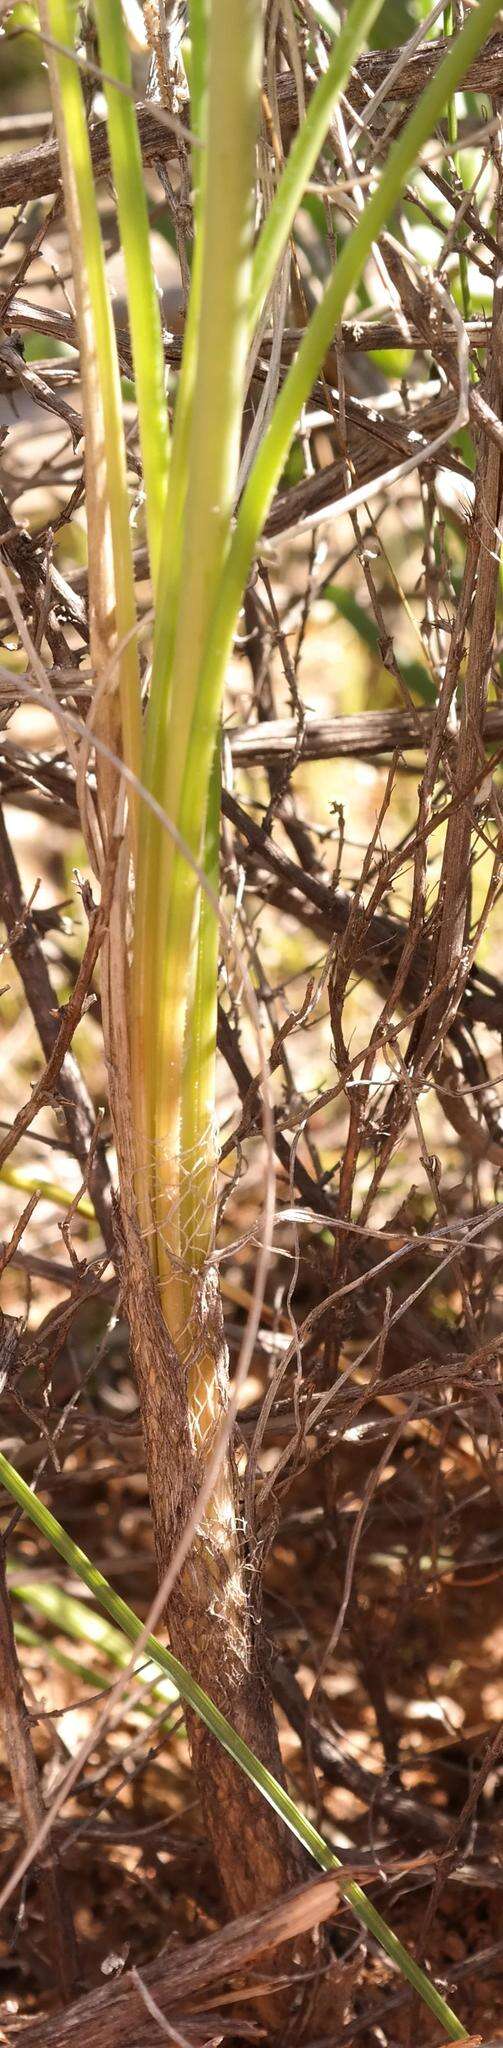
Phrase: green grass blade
[59,16]
[74,1665]
[306,149]
[70,1616]
[49,1190]
[144,312]
[74,1618]
[233,1743]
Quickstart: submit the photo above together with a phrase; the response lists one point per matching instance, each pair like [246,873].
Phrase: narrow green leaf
[74,1618]
[144,311]
[59,17]
[263,1779]
[305,150]
[49,1190]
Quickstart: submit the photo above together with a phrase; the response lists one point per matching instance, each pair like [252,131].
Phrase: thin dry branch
[98,916]
[27,1793]
[311,899]
[363,734]
[36,171]
[112,2017]
[29,958]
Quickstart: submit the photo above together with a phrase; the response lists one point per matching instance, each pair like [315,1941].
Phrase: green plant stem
[87,250]
[271,457]
[149,372]
[199,1073]
[196,1698]
[234,55]
[147,966]
[143,304]
[267,254]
